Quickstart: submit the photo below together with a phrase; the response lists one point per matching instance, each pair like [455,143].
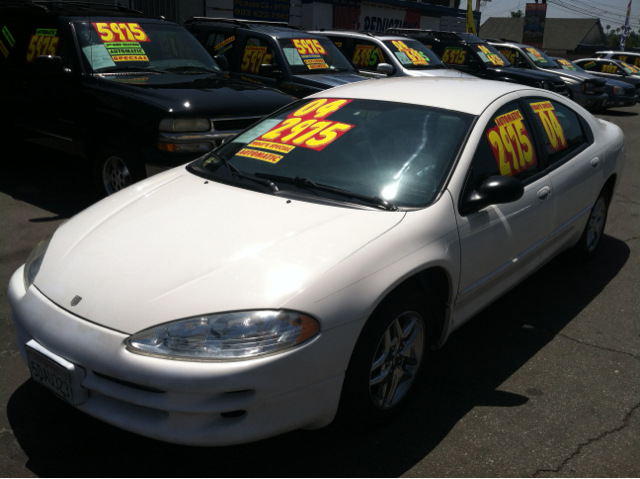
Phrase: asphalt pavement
[544,382]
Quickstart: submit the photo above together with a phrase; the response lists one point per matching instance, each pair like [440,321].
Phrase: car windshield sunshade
[127,46]
[392,151]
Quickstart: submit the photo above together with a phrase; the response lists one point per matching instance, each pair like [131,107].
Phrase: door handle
[543,193]
[595,162]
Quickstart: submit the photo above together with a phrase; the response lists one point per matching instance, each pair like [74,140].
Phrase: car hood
[438,72]
[325,81]
[176,246]
[612,83]
[523,74]
[210,95]
[576,76]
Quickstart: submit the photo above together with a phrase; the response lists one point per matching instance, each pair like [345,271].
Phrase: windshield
[141,46]
[413,55]
[394,151]
[540,58]
[567,65]
[314,55]
[489,55]
[629,68]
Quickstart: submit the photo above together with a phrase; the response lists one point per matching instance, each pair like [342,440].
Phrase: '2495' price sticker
[308,126]
[511,144]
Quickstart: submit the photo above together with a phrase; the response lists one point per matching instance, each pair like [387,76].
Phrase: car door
[501,244]
[52,102]
[574,164]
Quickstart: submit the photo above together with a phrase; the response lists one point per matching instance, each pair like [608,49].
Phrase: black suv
[470,54]
[117,91]
[274,54]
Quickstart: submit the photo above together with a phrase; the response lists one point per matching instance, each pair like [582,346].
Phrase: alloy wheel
[115,175]
[595,227]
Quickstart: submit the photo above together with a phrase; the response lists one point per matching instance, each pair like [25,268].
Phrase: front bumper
[620,101]
[589,100]
[185,402]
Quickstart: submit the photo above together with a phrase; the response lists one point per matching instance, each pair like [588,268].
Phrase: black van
[469,54]
[117,91]
[274,54]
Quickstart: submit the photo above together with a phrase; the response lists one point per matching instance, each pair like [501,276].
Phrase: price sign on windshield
[120,32]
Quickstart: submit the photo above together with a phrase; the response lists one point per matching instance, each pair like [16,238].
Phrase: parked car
[312,262]
[611,69]
[632,58]
[468,53]
[274,54]
[585,89]
[117,92]
[388,55]
[620,93]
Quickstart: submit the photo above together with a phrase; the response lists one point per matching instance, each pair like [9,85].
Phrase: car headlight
[184,125]
[618,90]
[545,85]
[32,266]
[226,336]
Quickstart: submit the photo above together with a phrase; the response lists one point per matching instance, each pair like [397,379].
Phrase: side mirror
[270,71]
[48,65]
[222,62]
[494,191]
[385,68]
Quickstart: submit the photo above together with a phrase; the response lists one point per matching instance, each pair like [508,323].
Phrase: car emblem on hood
[76,300]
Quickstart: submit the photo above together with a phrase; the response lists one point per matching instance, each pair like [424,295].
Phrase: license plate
[50,374]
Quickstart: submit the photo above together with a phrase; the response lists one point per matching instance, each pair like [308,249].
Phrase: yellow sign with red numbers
[307,127]
[552,126]
[566,64]
[631,67]
[253,57]
[43,42]
[361,54]
[609,69]
[120,32]
[509,55]
[492,57]
[308,46]
[414,55]
[454,55]
[511,144]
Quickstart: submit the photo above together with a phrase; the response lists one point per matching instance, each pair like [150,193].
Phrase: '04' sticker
[511,144]
[307,127]
[552,126]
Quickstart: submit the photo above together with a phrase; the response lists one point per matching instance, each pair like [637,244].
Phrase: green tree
[517,14]
[608,27]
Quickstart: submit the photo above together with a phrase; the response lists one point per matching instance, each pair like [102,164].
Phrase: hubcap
[396,360]
[595,226]
[115,175]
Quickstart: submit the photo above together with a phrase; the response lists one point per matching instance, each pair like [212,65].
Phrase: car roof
[466,95]
[357,34]
[76,9]
[601,52]
[275,29]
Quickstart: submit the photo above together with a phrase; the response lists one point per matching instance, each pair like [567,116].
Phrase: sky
[610,12]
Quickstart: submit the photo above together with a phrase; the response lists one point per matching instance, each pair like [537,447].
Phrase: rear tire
[388,359]
[594,229]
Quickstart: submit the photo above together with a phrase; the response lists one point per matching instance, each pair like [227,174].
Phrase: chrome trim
[205,137]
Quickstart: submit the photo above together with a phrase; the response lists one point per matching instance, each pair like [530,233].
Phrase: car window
[413,55]
[506,147]
[515,57]
[563,133]
[113,46]
[45,37]
[456,55]
[489,55]
[13,42]
[566,64]
[608,67]
[631,59]
[367,55]
[539,58]
[313,55]
[221,43]
[395,151]
[255,52]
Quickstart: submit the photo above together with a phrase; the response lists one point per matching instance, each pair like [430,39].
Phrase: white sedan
[312,263]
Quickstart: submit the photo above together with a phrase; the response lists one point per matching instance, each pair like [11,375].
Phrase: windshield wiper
[184,69]
[131,69]
[307,183]
[236,172]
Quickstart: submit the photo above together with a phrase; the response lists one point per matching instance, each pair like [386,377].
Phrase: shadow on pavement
[47,181]
[621,113]
[465,373]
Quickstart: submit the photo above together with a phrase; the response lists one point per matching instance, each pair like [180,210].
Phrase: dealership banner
[373,17]
[534,19]
[264,10]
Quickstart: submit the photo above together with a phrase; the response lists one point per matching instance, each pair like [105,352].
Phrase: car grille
[230,124]
[630,91]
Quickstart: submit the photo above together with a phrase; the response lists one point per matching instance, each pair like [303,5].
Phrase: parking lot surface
[545,382]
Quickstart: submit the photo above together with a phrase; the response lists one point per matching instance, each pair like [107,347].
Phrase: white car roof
[466,95]
[340,33]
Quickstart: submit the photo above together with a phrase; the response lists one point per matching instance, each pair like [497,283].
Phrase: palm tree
[517,14]
[608,27]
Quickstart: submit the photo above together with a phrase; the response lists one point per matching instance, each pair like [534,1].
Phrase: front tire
[115,169]
[388,359]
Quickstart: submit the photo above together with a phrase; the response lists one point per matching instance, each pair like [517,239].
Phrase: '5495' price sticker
[511,144]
